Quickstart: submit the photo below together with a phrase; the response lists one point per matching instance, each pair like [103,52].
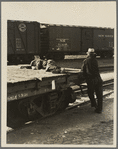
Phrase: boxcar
[23,40]
[61,40]
[26,39]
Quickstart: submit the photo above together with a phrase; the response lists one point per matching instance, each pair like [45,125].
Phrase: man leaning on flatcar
[93,79]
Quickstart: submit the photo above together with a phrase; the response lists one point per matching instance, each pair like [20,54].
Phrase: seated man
[36,63]
[51,66]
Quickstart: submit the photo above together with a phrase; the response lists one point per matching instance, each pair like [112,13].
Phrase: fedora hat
[91,51]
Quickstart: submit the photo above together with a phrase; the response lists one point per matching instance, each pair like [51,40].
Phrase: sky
[99,14]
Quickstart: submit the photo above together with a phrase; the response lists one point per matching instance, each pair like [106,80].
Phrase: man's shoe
[98,111]
[94,105]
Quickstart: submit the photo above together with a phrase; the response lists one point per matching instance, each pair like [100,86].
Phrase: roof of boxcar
[59,25]
[22,21]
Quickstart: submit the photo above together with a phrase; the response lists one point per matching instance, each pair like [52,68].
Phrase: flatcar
[28,38]
[37,94]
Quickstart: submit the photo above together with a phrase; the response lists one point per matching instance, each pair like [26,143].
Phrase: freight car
[26,39]
[23,40]
[71,40]
[32,94]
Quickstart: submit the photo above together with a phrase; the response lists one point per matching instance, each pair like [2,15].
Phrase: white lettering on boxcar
[62,39]
[111,36]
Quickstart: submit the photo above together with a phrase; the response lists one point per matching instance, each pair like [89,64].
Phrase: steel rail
[85,102]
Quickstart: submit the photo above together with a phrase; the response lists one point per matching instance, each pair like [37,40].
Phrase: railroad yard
[58,86]
[78,124]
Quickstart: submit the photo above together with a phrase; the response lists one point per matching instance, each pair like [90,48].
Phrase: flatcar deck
[15,74]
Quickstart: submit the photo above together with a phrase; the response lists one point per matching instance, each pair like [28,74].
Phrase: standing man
[94,82]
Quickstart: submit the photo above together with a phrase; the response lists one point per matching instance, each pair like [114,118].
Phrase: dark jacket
[90,67]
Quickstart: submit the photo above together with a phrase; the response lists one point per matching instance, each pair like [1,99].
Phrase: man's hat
[91,51]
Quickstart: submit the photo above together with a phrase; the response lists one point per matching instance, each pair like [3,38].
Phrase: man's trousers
[95,86]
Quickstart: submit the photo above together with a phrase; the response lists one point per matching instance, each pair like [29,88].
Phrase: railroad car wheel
[27,109]
[64,101]
[42,106]
[31,111]
[46,104]
[50,103]
[68,97]
[71,95]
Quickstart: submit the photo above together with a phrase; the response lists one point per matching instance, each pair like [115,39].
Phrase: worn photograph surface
[58,73]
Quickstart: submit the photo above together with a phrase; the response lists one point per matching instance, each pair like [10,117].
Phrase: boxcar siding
[44,38]
[20,38]
[103,38]
[109,38]
[76,39]
[11,38]
[98,39]
[59,39]
[64,38]
[87,39]
[33,40]
[23,39]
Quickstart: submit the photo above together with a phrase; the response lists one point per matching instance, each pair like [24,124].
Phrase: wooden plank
[22,94]
[31,84]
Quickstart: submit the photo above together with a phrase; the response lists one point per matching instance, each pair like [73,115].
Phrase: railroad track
[106,68]
[83,92]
